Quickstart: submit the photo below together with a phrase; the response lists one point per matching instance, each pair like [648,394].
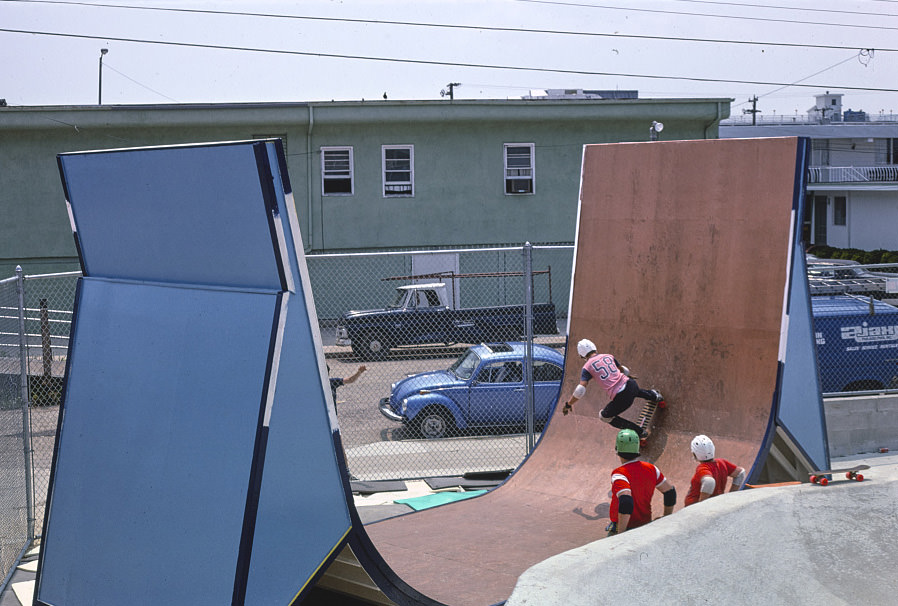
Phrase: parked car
[484,387]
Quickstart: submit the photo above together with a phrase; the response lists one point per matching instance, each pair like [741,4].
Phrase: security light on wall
[656,128]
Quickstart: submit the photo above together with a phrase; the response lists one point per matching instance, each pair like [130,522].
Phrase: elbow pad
[708,484]
[579,391]
[625,504]
[739,480]
[670,497]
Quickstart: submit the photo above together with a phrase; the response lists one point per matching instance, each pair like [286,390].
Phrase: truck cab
[421,296]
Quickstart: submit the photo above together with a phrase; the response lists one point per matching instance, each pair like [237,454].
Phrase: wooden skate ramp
[682,264]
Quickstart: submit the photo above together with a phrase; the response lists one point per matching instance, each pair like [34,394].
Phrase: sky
[218,51]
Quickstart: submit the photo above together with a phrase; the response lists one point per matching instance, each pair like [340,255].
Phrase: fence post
[528,335]
[26,410]
[46,346]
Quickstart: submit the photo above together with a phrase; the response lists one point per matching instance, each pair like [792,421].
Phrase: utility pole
[451,93]
[754,111]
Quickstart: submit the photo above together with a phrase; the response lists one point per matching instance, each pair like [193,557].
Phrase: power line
[788,8]
[434,62]
[488,28]
[688,14]
[126,76]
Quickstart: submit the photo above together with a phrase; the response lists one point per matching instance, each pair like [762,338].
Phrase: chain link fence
[425,403]
[466,406]
[855,310]
[35,318]
[482,293]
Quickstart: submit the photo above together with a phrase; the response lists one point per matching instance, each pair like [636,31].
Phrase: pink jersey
[641,478]
[603,369]
[719,469]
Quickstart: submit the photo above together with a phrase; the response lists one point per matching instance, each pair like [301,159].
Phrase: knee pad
[604,418]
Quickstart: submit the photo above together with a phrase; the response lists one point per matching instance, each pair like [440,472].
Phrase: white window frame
[409,184]
[337,175]
[517,173]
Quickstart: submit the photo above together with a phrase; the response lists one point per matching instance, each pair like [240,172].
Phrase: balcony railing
[852,174]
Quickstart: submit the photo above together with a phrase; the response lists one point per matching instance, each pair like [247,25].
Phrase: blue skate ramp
[196,421]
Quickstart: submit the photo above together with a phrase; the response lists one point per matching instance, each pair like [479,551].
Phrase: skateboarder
[338,382]
[632,487]
[617,383]
[710,478]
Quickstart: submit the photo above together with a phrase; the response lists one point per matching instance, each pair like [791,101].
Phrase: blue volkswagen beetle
[484,387]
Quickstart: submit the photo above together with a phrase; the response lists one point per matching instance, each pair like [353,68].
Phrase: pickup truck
[421,314]
[857,343]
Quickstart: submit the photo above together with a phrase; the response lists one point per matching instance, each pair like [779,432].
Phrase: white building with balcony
[853,172]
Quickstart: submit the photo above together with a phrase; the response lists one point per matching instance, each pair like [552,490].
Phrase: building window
[399,170]
[891,151]
[819,152]
[840,210]
[336,171]
[519,168]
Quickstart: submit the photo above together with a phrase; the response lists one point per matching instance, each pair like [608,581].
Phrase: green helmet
[627,441]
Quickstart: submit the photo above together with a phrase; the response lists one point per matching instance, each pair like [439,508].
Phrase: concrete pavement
[802,544]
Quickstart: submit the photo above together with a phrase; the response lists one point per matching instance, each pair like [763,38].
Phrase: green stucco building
[365,175]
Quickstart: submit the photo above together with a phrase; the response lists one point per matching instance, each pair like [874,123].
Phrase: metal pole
[26,410]
[46,343]
[103,51]
[528,347]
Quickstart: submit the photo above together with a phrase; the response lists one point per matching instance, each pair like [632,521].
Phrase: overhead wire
[781,85]
[786,8]
[488,28]
[434,62]
[691,14]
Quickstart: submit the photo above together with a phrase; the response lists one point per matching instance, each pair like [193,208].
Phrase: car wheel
[433,423]
[370,347]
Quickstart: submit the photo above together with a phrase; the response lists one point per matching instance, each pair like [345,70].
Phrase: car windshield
[400,298]
[464,367]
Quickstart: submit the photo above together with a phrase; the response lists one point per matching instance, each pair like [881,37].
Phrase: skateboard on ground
[647,416]
[819,477]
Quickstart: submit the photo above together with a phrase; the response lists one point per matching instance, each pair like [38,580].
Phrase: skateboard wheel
[824,481]
[662,404]
[814,479]
[850,475]
[859,477]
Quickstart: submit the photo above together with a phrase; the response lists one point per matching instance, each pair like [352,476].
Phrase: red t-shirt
[641,478]
[719,469]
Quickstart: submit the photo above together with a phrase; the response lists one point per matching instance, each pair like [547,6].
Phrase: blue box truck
[857,343]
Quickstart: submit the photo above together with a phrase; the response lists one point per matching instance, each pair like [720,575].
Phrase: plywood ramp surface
[681,265]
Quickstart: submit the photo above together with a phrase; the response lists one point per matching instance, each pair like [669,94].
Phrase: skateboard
[819,477]
[647,416]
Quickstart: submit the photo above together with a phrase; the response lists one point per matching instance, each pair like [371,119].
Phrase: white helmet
[585,347]
[703,448]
